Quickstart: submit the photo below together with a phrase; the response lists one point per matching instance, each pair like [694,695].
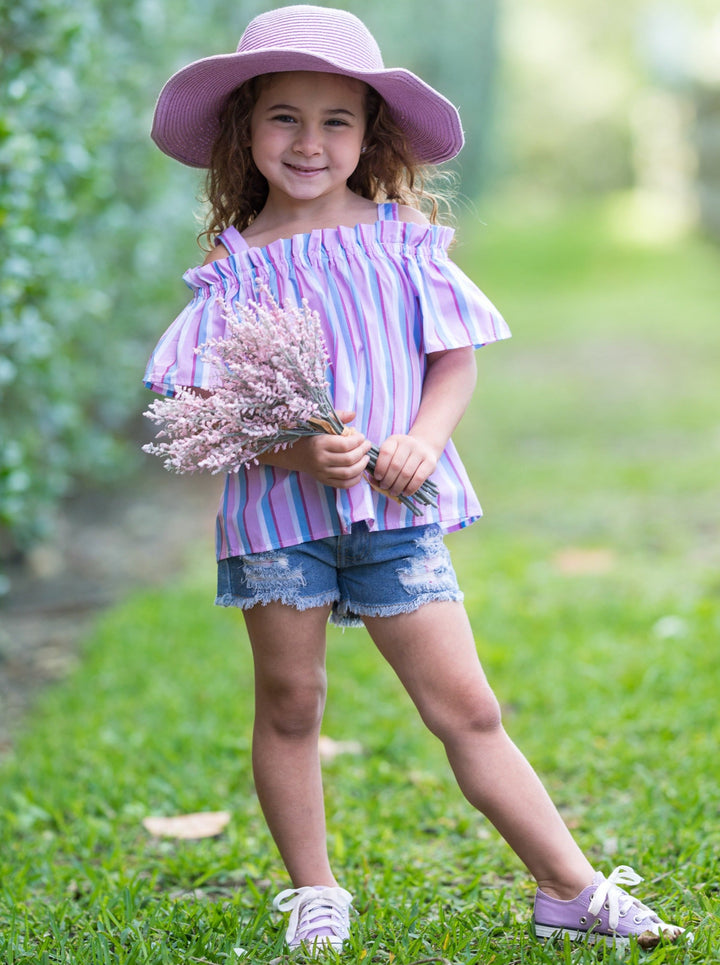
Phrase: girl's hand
[337,461]
[404,463]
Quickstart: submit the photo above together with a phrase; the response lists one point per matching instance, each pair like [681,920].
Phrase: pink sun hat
[300,37]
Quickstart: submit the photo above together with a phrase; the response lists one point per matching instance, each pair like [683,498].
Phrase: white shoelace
[619,902]
[313,910]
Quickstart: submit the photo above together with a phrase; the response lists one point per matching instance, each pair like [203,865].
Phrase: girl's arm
[407,460]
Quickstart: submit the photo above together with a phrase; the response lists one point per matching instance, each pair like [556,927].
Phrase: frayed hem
[346,621]
[343,615]
[356,613]
[247,603]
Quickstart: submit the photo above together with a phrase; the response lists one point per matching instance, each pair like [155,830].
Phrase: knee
[473,712]
[291,709]
[485,716]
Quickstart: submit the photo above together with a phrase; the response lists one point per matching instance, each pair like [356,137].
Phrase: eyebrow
[291,107]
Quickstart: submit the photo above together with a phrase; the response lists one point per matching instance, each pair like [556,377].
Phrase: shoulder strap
[388,211]
[232,239]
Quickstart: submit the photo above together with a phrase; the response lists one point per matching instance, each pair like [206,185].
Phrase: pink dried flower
[270,369]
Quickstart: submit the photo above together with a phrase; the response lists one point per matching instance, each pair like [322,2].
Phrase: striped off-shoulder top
[387,295]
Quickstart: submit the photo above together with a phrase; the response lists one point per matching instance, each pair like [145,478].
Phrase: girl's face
[306,133]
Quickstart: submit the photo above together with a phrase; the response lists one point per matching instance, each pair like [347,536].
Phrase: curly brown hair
[236,191]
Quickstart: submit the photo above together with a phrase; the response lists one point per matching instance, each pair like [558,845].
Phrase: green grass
[593,586]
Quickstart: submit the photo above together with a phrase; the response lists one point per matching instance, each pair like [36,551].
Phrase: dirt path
[106,545]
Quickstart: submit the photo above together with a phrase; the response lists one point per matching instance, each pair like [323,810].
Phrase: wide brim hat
[301,37]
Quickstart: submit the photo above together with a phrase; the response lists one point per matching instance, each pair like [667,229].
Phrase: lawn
[593,585]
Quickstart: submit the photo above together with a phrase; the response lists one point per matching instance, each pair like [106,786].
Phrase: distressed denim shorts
[363,573]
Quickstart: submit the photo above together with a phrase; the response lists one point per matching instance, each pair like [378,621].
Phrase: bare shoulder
[408,213]
[218,252]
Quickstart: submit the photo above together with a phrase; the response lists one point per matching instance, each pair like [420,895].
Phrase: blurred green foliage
[74,183]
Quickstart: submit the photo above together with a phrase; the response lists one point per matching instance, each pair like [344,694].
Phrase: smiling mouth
[303,170]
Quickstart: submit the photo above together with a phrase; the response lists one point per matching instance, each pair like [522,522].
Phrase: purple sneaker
[603,912]
[319,917]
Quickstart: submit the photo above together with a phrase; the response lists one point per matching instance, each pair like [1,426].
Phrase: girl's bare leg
[290,686]
[433,652]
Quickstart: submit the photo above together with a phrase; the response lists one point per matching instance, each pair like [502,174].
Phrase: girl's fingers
[338,461]
[349,446]
[403,465]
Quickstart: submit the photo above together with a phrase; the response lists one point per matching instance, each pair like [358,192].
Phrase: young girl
[313,150]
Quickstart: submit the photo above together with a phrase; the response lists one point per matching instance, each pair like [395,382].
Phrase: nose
[307,141]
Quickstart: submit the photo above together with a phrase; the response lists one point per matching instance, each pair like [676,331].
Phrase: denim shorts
[363,573]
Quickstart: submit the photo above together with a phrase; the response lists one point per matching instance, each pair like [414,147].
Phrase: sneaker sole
[318,946]
[578,935]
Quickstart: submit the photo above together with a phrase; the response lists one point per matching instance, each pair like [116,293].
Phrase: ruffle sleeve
[455,312]
[175,361]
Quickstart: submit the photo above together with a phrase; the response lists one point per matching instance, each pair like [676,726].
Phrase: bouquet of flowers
[271,391]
